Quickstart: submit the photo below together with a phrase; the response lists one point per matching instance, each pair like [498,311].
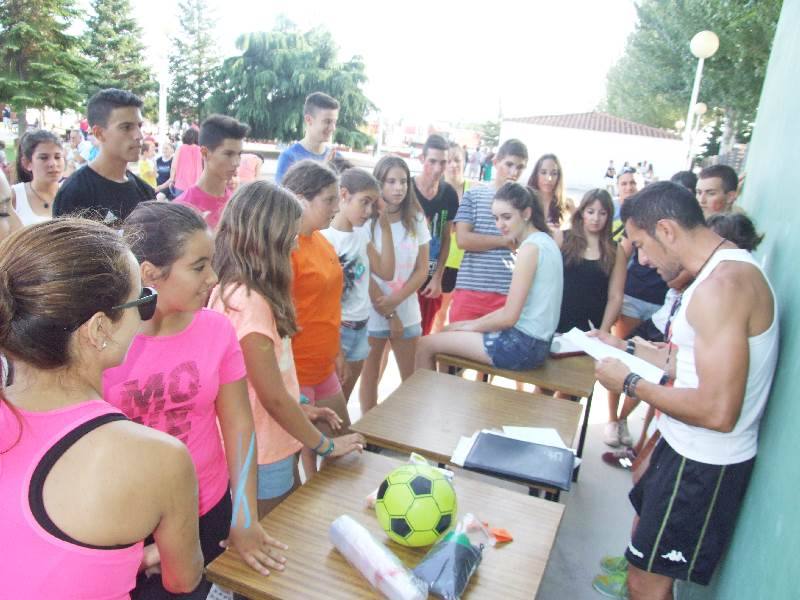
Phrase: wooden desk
[316,570]
[573,375]
[430,412]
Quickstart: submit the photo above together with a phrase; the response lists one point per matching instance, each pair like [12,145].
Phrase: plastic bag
[374,561]
[413,459]
[448,566]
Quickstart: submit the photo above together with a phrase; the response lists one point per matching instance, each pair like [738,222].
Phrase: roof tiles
[598,121]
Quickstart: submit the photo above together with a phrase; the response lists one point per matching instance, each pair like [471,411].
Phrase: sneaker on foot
[612,586]
[611,434]
[624,435]
[622,459]
[614,564]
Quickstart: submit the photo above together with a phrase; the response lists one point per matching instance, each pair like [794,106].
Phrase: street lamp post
[703,45]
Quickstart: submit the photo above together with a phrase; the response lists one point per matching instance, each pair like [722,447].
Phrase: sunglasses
[146,303]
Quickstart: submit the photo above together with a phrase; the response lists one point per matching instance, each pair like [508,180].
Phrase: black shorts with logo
[687,511]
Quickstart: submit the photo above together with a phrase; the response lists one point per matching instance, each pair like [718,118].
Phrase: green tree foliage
[652,82]
[490,133]
[266,84]
[113,43]
[192,63]
[40,62]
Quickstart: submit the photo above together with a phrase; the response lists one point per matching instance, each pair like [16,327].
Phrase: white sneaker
[611,434]
[624,435]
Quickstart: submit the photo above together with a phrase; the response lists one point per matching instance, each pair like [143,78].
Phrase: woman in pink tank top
[70,303]
[187,164]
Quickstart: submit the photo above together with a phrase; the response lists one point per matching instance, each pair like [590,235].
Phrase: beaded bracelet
[328,450]
[318,446]
[629,385]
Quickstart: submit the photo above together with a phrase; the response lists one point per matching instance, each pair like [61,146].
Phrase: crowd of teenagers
[169,366]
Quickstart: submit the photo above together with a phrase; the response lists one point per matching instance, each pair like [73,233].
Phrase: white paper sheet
[598,350]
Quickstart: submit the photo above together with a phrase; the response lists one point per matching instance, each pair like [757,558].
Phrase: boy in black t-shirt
[440,202]
[105,186]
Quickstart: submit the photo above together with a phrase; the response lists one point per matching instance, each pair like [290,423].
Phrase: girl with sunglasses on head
[255,238]
[185,375]
[71,464]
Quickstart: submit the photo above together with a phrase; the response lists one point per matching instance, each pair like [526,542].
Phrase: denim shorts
[638,309]
[275,479]
[355,345]
[512,349]
[409,332]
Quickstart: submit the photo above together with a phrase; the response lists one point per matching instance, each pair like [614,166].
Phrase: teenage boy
[105,186]
[717,189]
[440,202]
[485,273]
[221,141]
[320,114]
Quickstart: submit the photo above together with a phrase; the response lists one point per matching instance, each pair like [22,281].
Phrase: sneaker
[622,459]
[624,435]
[611,434]
[614,564]
[614,585]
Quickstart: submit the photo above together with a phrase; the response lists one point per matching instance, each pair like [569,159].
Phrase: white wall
[584,154]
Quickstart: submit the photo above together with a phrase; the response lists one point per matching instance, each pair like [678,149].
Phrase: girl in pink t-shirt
[254,241]
[184,375]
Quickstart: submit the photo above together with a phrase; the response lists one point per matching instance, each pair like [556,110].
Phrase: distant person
[320,114]
[163,169]
[187,164]
[77,152]
[687,179]
[609,177]
[40,163]
[475,160]
[221,140]
[147,164]
[649,174]
[249,168]
[626,187]
[717,189]
[106,187]
[439,201]
[9,221]
[488,164]
[7,117]
[547,178]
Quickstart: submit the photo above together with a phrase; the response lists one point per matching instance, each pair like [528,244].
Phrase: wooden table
[572,375]
[316,570]
[429,412]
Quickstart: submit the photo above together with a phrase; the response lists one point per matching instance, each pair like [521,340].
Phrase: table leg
[584,427]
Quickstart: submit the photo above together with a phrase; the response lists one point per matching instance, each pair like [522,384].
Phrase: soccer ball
[416,504]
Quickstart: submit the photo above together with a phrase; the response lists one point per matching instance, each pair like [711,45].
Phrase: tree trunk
[22,119]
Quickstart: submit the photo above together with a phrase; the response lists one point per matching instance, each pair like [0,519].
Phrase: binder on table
[535,464]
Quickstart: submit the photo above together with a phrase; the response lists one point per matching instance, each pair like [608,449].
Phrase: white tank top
[23,208]
[705,445]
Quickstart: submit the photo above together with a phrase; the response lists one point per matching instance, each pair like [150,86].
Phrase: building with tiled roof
[586,142]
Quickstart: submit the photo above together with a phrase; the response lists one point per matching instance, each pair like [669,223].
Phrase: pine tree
[40,64]
[113,43]
[193,63]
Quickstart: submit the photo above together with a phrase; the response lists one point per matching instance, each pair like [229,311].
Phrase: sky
[452,60]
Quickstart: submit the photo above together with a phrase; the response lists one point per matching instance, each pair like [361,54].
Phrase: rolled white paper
[374,561]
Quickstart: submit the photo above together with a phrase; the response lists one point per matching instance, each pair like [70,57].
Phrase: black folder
[535,464]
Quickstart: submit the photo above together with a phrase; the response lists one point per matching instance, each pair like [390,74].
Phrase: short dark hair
[687,179]
[435,142]
[218,128]
[319,101]
[190,136]
[521,197]
[512,147]
[662,200]
[103,102]
[736,228]
[730,180]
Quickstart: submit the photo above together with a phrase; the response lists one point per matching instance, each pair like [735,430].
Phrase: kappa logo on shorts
[634,551]
[674,556]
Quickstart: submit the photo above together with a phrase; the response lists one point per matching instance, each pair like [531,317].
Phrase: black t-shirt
[644,283]
[163,167]
[439,211]
[111,201]
[585,294]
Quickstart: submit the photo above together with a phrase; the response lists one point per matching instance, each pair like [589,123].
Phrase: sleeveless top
[45,562]
[24,210]
[705,445]
[188,167]
[644,283]
[585,294]
[539,316]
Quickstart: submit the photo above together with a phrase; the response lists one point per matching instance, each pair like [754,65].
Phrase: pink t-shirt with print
[171,383]
[250,313]
[210,207]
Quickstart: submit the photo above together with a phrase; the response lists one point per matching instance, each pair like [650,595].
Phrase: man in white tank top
[721,361]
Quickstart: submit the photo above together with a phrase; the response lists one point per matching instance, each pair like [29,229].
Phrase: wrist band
[629,385]
[630,347]
[304,399]
[318,446]
[328,450]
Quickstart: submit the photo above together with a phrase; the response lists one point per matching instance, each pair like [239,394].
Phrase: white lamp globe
[704,44]
[700,108]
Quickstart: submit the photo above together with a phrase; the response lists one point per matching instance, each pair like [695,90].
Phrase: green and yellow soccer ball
[416,504]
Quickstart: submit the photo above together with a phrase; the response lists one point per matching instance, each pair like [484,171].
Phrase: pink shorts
[469,304]
[328,387]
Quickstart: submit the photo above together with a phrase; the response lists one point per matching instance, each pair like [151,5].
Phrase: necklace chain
[44,202]
[713,252]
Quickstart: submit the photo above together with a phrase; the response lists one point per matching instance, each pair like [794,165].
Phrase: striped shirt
[488,271]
